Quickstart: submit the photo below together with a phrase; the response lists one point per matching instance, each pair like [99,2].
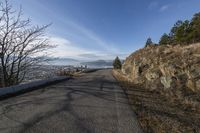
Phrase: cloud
[102,44]
[80,29]
[89,45]
[153,5]
[67,49]
[89,55]
[101,55]
[164,8]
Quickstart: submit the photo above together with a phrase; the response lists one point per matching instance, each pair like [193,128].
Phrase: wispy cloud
[83,42]
[67,49]
[153,5]
[102,55]
[78,31]
[89,55]
[164,8]
[157,6]
[94,37]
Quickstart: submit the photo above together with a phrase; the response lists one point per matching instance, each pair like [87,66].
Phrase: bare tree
[22,45]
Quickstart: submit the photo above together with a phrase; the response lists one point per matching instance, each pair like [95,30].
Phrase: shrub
[117,63]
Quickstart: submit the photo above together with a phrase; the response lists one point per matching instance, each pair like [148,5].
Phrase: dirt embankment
[163,85]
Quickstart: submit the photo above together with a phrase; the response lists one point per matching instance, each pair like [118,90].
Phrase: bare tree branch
[22,45]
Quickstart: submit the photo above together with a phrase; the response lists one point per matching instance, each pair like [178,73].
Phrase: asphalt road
[92,103]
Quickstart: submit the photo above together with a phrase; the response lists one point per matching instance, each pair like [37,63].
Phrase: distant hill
[65,61]
[99,64]
[92,64]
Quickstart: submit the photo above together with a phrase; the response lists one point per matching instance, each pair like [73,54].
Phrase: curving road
[92,103]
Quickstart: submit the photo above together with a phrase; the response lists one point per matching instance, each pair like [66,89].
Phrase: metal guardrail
[14,90]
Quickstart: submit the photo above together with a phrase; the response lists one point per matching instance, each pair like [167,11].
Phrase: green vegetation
[148,42]
[162,81]
[183,32]
[165,39]
[117,63]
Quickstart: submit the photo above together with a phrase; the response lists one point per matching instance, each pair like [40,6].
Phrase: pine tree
[148,42]
[117,63]
[175,29]
[165,39]
[183,32]
[195,28]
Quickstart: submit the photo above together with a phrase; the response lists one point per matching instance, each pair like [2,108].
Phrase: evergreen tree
[165,39]
[176,26]
[174,31]
[148,42]
[183,32]
[195,28]
[117,63]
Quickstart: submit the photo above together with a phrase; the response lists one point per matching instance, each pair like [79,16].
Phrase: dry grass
[162,112]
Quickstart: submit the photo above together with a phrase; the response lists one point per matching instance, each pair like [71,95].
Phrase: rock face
[165,67]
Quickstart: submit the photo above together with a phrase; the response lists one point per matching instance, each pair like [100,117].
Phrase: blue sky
[103,29]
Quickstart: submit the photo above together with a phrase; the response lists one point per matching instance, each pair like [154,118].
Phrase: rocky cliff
[164,87]
[165,68]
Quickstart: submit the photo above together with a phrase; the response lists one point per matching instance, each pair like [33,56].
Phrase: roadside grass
[162,112]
